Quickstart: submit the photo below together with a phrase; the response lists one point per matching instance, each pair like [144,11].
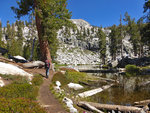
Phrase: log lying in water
[142,102]
[112,107]
[144,84]
[94,91]
[90,108]
[109,80]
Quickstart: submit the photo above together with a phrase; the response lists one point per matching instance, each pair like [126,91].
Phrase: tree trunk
[44,46]
[142,102]
[113,107]
[94,91]
[89,107]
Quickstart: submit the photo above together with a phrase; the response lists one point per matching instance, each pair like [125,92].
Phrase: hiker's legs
[47,72]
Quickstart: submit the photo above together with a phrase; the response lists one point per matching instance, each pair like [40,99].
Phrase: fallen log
[94,91]
[33,64]
[84,83]
[109,80]
[91,108]
[112,107]
[142,102]
[144,84]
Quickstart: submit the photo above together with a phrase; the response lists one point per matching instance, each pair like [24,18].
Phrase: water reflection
[129,90]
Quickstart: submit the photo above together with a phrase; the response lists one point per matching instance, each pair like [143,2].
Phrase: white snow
[1,82]
[58,83]
[10,69]
[75,86]
[69,104]
[19,57]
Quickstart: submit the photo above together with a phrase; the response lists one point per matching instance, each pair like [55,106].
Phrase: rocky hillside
[69,54]
[85,39]
[81,45]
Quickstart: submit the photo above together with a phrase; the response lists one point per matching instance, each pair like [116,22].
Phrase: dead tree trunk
[90,108]
[142,102]
[112,107]
[94,91]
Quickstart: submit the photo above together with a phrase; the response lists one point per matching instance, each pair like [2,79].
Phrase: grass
[57,66]
[20,96]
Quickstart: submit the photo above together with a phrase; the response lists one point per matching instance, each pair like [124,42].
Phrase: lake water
[129,90]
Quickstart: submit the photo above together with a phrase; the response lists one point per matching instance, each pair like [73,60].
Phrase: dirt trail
[46,98]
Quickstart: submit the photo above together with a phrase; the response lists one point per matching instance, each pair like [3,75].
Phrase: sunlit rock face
[83,38]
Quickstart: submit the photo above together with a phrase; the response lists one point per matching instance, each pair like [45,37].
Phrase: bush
[16,97]
[37,80]
[132,70]
[75,76]
[19,105]
[18,90]
[15,78]
[60,77]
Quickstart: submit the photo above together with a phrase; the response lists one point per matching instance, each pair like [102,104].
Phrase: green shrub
[37,80]
[18,90]
[75,76]
[19,105]
[60,77]
[15,78]
[132,70]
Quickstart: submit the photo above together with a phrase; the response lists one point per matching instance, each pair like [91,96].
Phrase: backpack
[47,64]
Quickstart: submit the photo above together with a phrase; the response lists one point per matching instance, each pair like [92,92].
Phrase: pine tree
[50,16]
[102,44]
[133,31]
[8,35]
[120,37]
[20,37]
[88,32]
[140,25]
[84,33]
[147,9]
[1,36]
[146,28]
[113,41]
[13,50]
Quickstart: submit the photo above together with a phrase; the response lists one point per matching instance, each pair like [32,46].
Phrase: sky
[97,12]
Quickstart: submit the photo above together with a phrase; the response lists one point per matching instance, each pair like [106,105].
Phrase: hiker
[47,66]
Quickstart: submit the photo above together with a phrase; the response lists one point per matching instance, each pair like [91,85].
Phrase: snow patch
[1,83]
[20,57]
[10,69]
[69,104]
[75,86]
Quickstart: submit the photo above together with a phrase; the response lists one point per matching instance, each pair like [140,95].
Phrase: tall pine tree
[1,36]
[113,42]
[50,16]
[102,44]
